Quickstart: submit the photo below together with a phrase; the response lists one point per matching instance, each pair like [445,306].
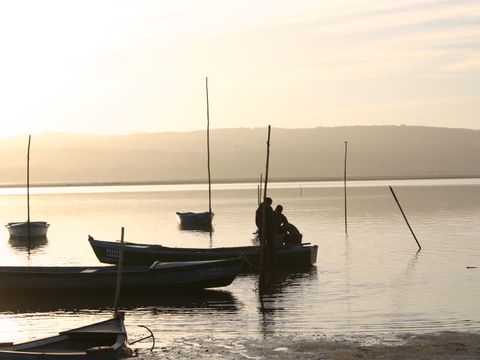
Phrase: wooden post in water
[401,210]
[119,273]
[265,243]
[260,190]
[28,189]
[345,185]
[208,154]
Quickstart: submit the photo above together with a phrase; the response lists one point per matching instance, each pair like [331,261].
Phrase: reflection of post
[401,210]
[261,290]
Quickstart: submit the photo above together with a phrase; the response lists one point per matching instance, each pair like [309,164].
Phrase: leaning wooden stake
[345,185]
[401,210]
[119,273]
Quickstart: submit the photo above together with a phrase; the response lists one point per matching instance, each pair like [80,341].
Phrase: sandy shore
[443,346]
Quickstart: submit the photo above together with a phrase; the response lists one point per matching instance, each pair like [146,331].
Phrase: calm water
[371,282]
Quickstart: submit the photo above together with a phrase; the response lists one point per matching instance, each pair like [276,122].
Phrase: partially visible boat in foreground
[298,256]
[25,229]
[103,340]
[158,276]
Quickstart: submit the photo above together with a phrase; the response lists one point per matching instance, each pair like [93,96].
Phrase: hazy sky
[117,67]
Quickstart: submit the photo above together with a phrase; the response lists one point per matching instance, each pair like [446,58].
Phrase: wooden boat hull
[160,276]
[38,229]
[300,256]
[100,341]
[191,219]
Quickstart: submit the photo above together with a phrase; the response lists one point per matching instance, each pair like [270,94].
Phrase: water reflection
[28,244]
[272,286]
[27,301]
[206,228]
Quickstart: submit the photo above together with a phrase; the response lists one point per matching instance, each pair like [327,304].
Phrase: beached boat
[158,276]
[198,220]
[103,340]
[299,256]
[28,229]
[25,229]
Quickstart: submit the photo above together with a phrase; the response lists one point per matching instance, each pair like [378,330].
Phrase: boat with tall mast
[194,220]
[28,229]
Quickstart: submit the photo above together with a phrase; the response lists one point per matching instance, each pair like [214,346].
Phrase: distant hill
[239,154]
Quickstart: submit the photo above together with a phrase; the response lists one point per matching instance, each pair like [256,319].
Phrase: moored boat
[25,229]
[103,340]
[28,229]
[158,276]
[199,220]
[296,256]
[192,220]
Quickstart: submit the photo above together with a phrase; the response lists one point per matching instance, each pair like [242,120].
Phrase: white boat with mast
[194,220]
[28,229]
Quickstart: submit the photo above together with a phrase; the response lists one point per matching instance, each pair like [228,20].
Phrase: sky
[120,67]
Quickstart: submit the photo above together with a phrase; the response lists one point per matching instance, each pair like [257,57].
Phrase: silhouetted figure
[280,220]
[285,232]
[268,232]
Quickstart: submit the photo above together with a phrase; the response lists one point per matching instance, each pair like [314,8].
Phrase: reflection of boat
[31,300]
[301,256]
[207,228]
[200,219]
[38,229]
[172,276]
[28,229]
[25,243]
[102,340]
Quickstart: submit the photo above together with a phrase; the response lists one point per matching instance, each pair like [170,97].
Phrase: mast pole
[208,154]
[28,185]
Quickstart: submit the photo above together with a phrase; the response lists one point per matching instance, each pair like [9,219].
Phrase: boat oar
[119,273]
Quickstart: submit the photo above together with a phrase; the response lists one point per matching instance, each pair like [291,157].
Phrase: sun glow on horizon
[110,67]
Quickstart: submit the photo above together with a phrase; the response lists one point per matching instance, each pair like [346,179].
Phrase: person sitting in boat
[269,223]
[285,232]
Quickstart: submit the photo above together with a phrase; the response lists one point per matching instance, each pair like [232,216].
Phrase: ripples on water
[372,281]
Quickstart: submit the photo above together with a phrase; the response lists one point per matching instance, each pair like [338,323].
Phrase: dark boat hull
[194,220]
[172,276]
[105,340]
[300,256]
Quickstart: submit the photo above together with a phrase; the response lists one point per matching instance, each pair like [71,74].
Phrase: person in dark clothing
[280,220]
[286,232]
[268,223]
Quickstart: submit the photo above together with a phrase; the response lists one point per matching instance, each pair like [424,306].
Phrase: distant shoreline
[234,181]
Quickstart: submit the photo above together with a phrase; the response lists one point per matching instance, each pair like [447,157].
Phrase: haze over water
[372,282]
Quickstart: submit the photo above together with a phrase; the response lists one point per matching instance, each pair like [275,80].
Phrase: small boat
[25,229]
[28,229]
[199,220]
[297,256]
[103,340]
[187,275]
[193,220]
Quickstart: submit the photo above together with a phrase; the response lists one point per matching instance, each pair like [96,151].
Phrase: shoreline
[446,345]
[234,181]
